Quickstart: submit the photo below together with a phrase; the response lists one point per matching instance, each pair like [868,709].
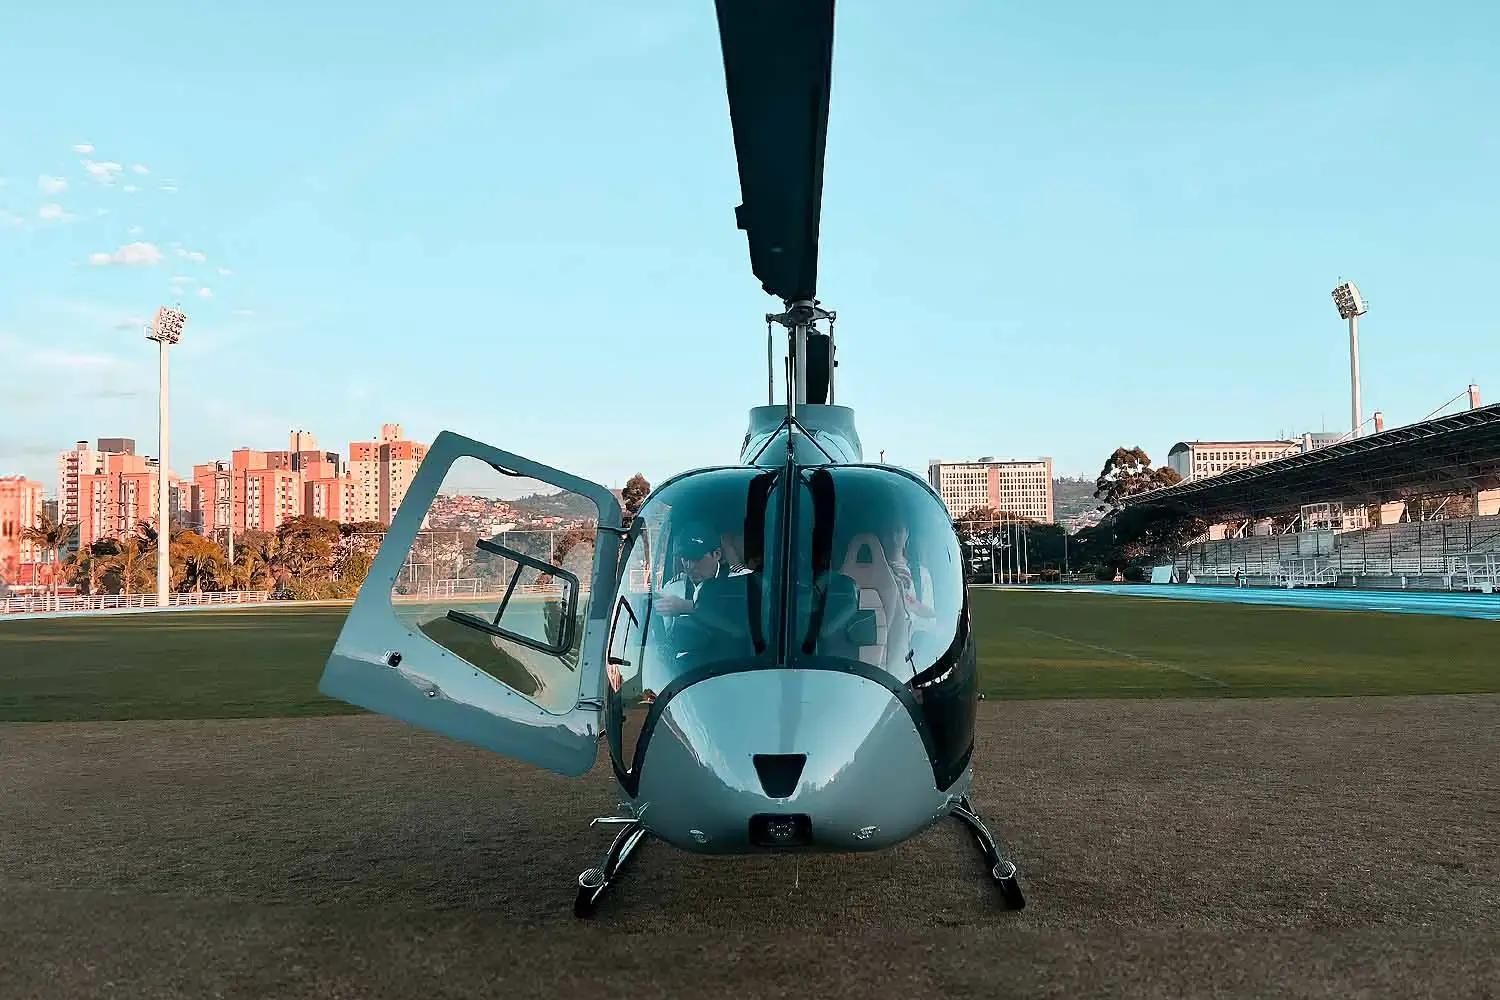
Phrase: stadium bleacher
[1415,470]
[1458,553]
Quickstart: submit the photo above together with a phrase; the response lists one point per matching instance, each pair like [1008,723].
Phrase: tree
[129,568]
[634,495]
[257,561]
[198,563]
[1128,472]
[307,547]
[574,550]
[87,565]
[51,536]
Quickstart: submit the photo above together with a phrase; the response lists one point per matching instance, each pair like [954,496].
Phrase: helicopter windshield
[874,584]
[882,580]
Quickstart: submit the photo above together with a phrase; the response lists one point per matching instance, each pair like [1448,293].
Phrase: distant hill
[561,504]
[1071,497]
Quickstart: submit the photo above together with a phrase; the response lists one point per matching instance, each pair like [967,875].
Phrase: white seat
[865,564]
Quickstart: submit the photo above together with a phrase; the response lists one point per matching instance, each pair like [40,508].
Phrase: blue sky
[1046,231]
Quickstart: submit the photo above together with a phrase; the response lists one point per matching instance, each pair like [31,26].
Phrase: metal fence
[36,603]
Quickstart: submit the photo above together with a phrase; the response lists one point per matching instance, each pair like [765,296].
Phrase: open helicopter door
[485,613]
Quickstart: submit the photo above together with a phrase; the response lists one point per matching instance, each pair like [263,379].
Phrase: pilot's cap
[697,541]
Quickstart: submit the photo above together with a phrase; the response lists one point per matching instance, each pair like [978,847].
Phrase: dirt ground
[1338,847]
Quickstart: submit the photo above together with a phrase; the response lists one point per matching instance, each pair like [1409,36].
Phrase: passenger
[917,609]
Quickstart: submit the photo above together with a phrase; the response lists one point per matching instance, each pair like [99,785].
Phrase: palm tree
[203,564]
[51,536]
[133,557]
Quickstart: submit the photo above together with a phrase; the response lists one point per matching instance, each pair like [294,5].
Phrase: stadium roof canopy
[1453,454]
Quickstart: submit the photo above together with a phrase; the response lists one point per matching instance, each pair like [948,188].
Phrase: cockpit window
[695,591]
[882,580]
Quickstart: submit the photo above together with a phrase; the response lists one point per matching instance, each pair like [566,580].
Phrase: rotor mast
[809,352]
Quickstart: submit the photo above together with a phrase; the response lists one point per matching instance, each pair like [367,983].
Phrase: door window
[499,575]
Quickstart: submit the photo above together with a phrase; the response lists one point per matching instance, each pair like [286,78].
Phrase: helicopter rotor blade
[778,57]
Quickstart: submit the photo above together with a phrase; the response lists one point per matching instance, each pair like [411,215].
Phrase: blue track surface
[1406,602]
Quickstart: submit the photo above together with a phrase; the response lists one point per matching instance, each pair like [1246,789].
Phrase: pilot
[701,556]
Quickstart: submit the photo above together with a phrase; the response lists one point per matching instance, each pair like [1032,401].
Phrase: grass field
[266,663]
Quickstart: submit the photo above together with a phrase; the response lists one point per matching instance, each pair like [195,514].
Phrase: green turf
[1068,645]
[189,665]
[258,663]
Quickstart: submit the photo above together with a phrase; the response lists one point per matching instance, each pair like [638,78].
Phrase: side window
[626,699]
[499,575]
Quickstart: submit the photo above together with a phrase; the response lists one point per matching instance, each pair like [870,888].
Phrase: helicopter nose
[769,757]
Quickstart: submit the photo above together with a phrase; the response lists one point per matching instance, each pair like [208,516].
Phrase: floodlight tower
[166,330]
[1351,307]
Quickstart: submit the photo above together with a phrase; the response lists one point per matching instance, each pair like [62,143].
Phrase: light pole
[1351,306]
[166,330]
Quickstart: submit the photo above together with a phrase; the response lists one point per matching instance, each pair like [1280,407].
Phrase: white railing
[1476,571]
[1311,572]
[42,603]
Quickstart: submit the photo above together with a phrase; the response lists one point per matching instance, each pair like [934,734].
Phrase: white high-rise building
[1200,459]
[1019,487]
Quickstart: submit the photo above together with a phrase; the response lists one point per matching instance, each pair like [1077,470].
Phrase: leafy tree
[1127,472]
[198,563]
[574,551]
[87,566]
[1136,535]
[307,547]
[52,536]
[128,569]
[634,495]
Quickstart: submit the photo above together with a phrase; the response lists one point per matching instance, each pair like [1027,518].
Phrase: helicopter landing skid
[1002,870]
[593,882]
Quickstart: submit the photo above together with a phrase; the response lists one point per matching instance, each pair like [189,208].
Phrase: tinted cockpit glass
[882,582]
[696,589]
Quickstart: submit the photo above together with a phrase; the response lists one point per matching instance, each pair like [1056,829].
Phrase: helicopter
[777,652]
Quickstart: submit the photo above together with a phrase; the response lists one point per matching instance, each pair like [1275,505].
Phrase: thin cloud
[10,220]
[51,185]
[134,231]
[130,189]
[128,323]
[140,168]
[196,256]
[224,272]
[139,254]
[53,212]
[103,171]
[205,293]
[244,312]
[169,188]
[84,147]
[181,279]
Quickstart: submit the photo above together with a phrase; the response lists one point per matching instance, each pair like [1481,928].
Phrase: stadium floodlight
[1350,303]
[166,330]
[1351,306]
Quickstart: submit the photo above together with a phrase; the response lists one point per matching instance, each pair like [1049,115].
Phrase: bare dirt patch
[1234,847]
